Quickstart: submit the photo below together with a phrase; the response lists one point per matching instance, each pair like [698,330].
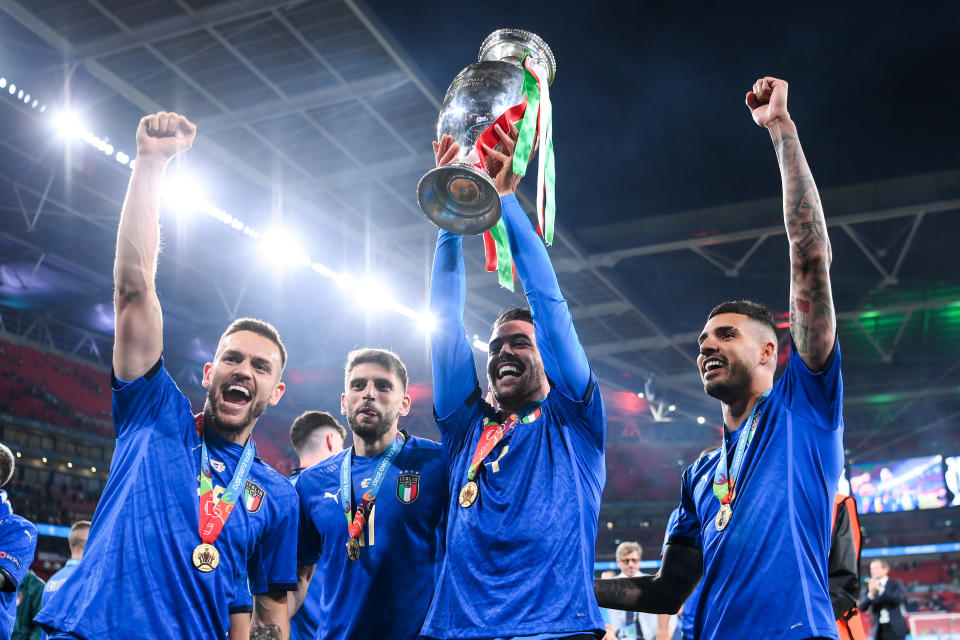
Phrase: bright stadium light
[3,83]
[183,193]
[94,469]
[280,247]
[18,453]
[480,345]
[641,395]
[44,459]
[427,322]
[13,88]
[70,465]
[672,407]
[701,420]
[68,124]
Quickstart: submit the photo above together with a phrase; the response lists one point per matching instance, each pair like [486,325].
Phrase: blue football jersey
[18,543]
[385,593]
[137,578]
[765,575]
[539,502]
[304,624]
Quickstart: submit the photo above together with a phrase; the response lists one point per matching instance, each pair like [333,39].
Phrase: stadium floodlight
[280,247]
[26,98]
[18,454]
[182,193]
[70,465]
[13,88]
[44,460]
[35,103]
[68,125]
[427,322]
[3,82]
[672,407]
[701,420]
[641,395]
[480,345]
[94,469]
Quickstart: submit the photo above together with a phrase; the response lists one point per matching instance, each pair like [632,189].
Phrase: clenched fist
[163,135]
[768,101]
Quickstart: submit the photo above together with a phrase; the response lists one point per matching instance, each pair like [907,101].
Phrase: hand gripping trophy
[509,86]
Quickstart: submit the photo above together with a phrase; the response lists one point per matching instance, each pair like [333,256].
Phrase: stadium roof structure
[315,118]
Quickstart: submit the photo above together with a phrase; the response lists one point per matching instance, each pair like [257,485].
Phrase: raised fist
[768,101]
[163,135]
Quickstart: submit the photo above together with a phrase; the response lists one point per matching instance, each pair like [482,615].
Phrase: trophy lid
[509,45]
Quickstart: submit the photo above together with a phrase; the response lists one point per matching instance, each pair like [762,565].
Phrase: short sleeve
[815,396]
[686,526]
[588,415]
[309,543]
[273,565]
[152,400]
[242,600]
[17,549]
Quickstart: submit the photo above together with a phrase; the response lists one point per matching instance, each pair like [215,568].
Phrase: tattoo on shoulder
[268,632]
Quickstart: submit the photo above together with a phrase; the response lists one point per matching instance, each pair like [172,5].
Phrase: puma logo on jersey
[335,496]
[29,535]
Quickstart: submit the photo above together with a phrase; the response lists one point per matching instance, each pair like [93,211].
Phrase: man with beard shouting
[372,516]
[525,474]
[757,513]
[166,545]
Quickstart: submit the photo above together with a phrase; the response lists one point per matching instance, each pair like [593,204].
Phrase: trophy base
[459,198]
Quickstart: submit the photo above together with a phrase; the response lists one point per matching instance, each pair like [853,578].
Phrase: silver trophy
[460,197]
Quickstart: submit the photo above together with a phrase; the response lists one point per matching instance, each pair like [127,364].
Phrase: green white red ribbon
[533,118]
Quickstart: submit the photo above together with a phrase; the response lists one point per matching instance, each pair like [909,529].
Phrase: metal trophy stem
[460,197]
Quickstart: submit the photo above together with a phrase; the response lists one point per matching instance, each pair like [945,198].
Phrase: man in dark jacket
[883,600]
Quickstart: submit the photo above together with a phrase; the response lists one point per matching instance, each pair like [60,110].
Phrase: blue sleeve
[563,357]
[151,401]
[686,528]
[17,548]
[309,543]
[455,385]
[243,600]
[816,396]
[273,565]
[671,527]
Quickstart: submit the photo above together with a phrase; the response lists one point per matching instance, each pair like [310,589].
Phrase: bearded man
[166,545]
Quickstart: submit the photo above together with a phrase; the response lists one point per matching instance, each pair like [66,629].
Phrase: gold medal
[723,517]
[469,493]
[206,557]
[353,549]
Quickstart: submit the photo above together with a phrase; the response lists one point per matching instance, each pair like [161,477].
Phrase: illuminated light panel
[185,194]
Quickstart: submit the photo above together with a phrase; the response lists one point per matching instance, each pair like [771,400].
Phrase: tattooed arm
[813,323]
[664,592]
[270,620]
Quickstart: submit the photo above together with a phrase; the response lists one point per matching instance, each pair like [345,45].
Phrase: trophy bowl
[460,196]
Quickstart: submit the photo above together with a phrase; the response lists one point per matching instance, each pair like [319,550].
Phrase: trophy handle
[459,198]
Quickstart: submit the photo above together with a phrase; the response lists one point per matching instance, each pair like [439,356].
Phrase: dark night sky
[648,99]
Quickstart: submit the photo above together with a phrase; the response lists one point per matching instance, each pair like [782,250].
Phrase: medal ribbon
[356,522]
[214,512]
[493,433]
[724,484]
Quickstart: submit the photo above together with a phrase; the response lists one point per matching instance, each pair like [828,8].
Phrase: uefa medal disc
[353,549]
[469,493]
[723,517]
[206,557]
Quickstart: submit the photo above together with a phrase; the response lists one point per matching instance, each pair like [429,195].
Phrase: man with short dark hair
[315,436]
[167,544]
[371,517]
[18,544]
[526,472]
[755,517]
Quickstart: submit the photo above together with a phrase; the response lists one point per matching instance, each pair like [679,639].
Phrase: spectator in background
[628,624]
[77,540]
[29,597]
[18,544]
[883,599]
